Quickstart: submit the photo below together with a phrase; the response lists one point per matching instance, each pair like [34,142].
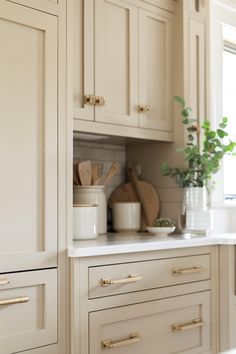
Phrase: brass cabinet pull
[89,99]
[197,322]
[133,338]
[4,281]
[180,271]
[144,109]
[132,278]
[16,300]
[100,101]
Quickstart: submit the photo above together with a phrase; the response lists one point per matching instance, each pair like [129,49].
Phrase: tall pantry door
[28,138]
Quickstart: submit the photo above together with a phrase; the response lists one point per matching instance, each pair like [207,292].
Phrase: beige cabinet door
[28,138]
[83,59]
[197,68]
[50,6]
[155,71]
[28,310]
[176,325]
[116,71]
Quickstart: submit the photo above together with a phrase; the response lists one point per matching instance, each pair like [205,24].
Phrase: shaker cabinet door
[155,71]
[82,46]
[50,6]
[28,138]
[116,71]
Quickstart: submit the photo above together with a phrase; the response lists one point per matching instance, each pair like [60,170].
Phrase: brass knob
[89,99]
[144,109]
[100,101]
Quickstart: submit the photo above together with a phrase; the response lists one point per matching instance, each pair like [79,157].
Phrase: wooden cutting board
[151,201]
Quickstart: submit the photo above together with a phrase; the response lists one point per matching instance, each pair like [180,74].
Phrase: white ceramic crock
[126,217]
[85,221]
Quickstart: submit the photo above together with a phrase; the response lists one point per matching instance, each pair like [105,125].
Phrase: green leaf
[180,100]
[221,133]
[185,121]
[186,111]
[211,135]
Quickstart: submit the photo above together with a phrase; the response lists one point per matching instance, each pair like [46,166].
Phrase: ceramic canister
[85,221]
[93,195]
[126,216]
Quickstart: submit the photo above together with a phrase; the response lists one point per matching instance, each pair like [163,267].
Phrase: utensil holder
[93,195]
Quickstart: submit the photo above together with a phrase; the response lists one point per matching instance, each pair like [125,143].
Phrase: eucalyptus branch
[201,163]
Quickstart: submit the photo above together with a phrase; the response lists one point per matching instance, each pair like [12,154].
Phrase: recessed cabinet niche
[122,64]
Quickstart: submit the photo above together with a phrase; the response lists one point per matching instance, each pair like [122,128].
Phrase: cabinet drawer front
[176,325]
[28,310]
[128,277]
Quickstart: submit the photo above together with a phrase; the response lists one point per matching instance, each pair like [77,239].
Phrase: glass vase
[195,215]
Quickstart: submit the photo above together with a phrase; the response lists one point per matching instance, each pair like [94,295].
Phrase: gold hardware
[197,322]
[100,101]
[144,109]
[133,338]
[180,271]
[16,300]
[132,278]
[4,281]
[89,99]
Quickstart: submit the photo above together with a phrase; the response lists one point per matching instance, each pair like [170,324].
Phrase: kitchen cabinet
[227,288]
[49,6]
[175,325]
[29,298]
[145,301]
[122,68]
[28,304]
[196,43]
[28,138]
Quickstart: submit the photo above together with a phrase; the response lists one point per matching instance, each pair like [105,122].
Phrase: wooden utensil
[85,173]
[112,171]
[76,180]
[96,173]
[150,199]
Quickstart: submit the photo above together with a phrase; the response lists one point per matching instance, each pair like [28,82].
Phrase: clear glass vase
[195,215]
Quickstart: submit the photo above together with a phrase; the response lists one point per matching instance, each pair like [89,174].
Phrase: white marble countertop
[139,242]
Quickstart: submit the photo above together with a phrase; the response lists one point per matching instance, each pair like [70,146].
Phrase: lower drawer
[28,310]
[176,325]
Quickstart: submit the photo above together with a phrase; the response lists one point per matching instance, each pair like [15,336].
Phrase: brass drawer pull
[133,338]
[89,99]
[132,278]
[144,109]
[100,101]
[4,281]
[180,271]
[197,322]
[16,300]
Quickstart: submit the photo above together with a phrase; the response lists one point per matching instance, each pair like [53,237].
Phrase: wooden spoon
[76,180]
[85,173]
[112,171]
[96,173]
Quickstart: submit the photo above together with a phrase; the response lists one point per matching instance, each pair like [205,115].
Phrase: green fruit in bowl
[163,222]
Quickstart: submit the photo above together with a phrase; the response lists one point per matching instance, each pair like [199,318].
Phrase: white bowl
[160,231]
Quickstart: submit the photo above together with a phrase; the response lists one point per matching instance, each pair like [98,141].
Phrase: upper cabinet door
[50,6]
[83,58]
[116,62]
[28,138]
[155,71]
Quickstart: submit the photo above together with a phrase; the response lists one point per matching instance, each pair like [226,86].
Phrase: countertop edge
[109,249]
